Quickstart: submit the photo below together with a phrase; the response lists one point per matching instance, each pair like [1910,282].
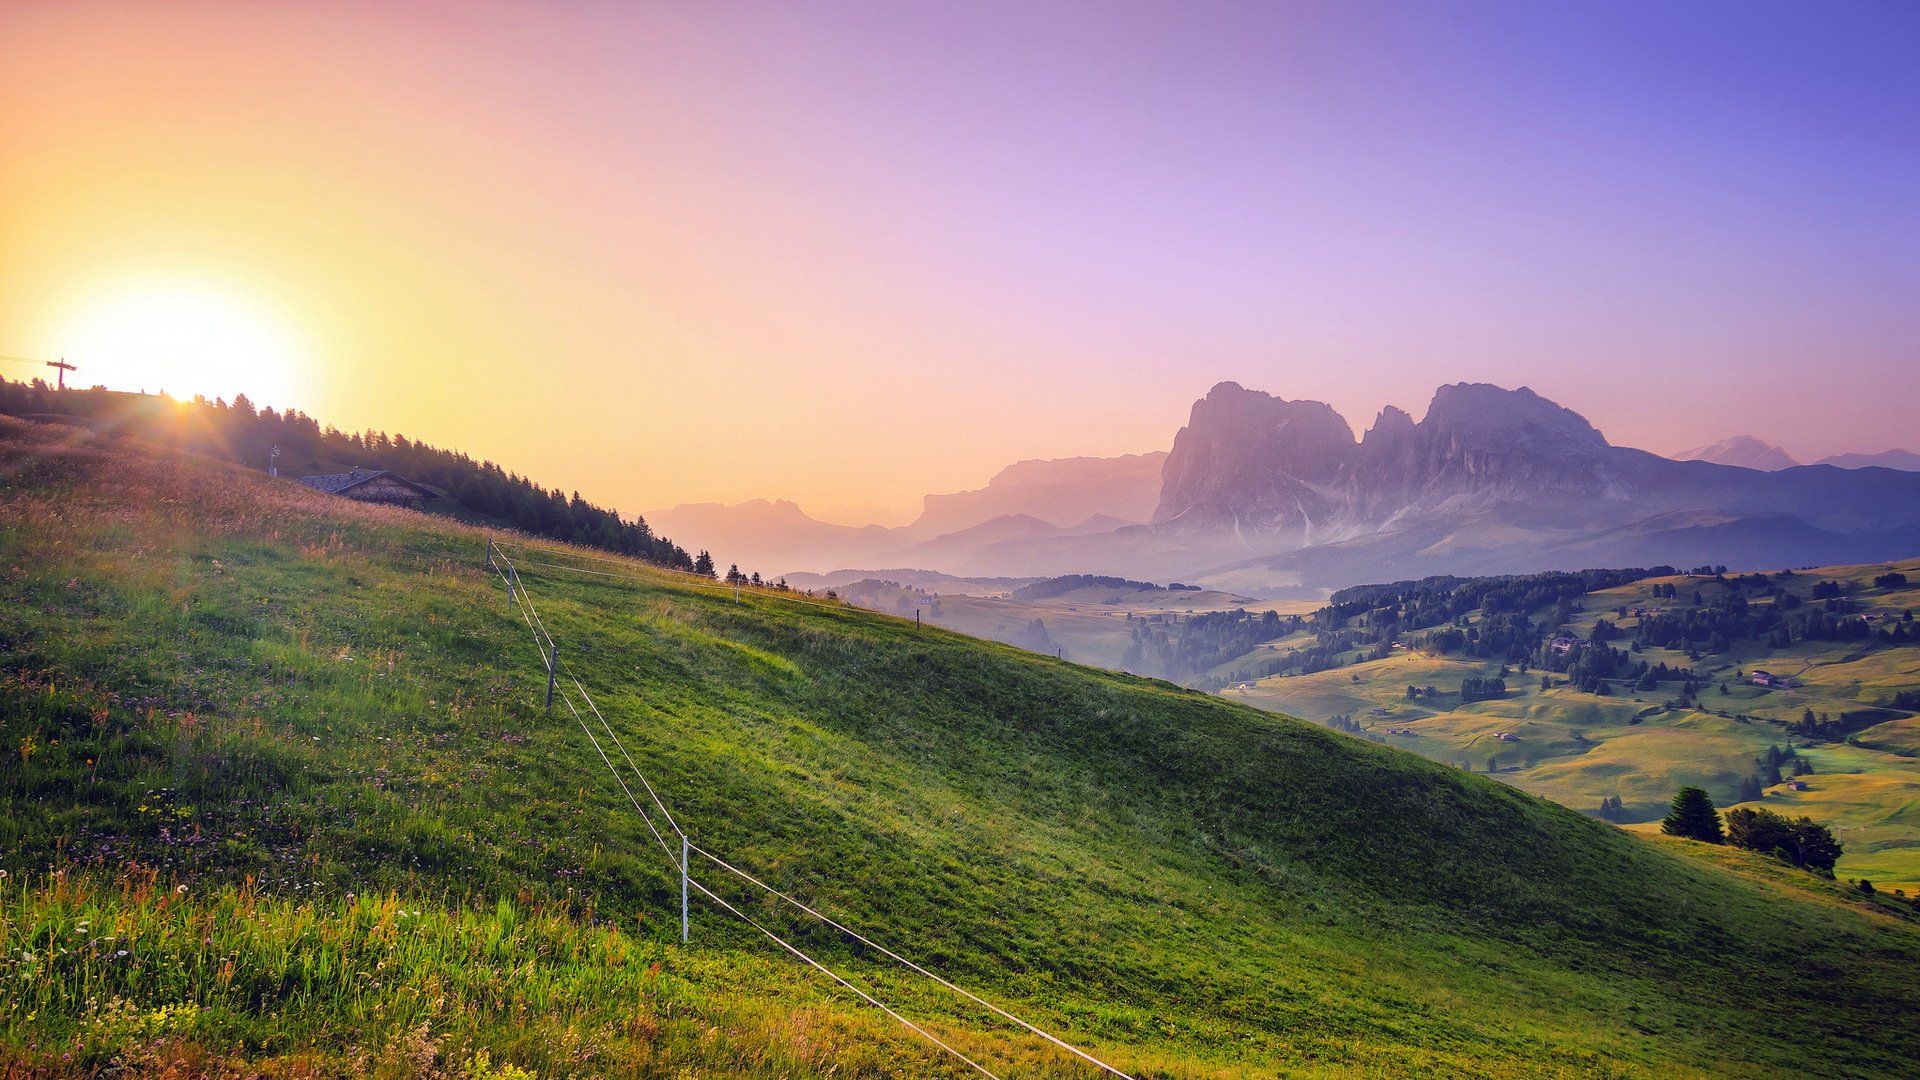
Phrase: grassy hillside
[286,799]
[1638,742]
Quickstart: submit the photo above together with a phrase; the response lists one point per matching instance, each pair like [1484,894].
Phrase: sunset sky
[851,253]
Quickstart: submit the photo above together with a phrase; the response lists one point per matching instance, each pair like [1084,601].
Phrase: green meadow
[282,797]
[1640,746]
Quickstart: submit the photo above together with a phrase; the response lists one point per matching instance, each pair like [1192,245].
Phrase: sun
[187,338]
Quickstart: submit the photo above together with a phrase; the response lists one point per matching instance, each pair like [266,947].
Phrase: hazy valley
[1278,499]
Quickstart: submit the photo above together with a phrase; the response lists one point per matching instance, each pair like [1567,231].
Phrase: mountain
[1066,497]
[1744,451]
[284,795]
[1905,460]
[924,580]
[1062,492]
[1273,497]
[771,538]
[1489,481]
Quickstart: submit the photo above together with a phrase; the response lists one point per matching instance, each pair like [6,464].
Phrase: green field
[282,798]
[1578,748]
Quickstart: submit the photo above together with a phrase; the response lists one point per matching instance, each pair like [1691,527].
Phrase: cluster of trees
[1803,843]
[1060,586]
[1769,769]
[1441,604]
[735,577]
[1036,637]
[1478,689]
[1733,617]
[240,433]
[1827,728]
[1365,622]
[1178,649]
[1612,809]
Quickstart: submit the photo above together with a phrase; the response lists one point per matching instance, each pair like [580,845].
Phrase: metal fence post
[553,661]
[685,847]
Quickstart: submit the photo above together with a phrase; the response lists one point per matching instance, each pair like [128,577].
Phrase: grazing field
[288,800]
[1640,744]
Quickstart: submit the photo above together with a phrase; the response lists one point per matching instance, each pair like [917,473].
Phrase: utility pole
[61,376]
[273,466]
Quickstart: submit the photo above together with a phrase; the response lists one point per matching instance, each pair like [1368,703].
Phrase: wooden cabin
[372,485]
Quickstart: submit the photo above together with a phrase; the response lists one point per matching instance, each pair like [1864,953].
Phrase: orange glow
[185,338]
[666,253]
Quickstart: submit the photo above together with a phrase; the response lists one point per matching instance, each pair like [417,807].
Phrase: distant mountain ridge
[1062,492]
[1748,452]
[1744,451]
[1495,480]
[1024,501]
[1905,460]
[1263,494]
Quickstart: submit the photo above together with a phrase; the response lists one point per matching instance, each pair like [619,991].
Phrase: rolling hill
[1705,675]
[288,800]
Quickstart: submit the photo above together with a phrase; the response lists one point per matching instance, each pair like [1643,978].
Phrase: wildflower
[180,889]
[119,954]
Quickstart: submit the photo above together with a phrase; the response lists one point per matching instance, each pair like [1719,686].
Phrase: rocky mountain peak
[1392,424]
[1744,451]
[1488,417]
[1248,453]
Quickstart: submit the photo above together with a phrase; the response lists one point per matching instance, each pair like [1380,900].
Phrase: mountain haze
[1266,495]
[772,537]
[1063,493]
[1905,460]
[1028,499]
[1744,451]
[1490,480]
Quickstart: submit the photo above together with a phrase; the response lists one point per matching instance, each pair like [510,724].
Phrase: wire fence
[507,569]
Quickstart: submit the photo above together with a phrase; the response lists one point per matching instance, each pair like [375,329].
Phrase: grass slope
[317,716]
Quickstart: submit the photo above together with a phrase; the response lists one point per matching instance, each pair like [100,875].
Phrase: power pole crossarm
[61,377]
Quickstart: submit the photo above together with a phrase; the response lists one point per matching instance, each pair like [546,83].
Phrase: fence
[507,568]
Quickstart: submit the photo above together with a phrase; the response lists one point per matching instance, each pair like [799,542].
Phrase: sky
[852,253]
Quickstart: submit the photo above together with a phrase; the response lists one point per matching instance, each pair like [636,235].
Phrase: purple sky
[852,253]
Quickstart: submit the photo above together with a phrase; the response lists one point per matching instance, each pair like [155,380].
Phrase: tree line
[240,433]
[1803,843]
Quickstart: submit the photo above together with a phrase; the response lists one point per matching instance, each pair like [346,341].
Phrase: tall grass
[136,974]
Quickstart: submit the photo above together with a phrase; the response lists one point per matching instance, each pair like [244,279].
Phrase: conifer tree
[1693,817]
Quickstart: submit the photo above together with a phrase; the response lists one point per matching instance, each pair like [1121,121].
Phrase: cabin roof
[341,483]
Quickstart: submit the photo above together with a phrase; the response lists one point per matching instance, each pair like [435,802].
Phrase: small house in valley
[372,485]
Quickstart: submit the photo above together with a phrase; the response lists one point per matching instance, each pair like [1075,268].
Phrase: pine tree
[1693,817]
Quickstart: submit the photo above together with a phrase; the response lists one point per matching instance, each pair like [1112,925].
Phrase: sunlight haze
[850,254]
